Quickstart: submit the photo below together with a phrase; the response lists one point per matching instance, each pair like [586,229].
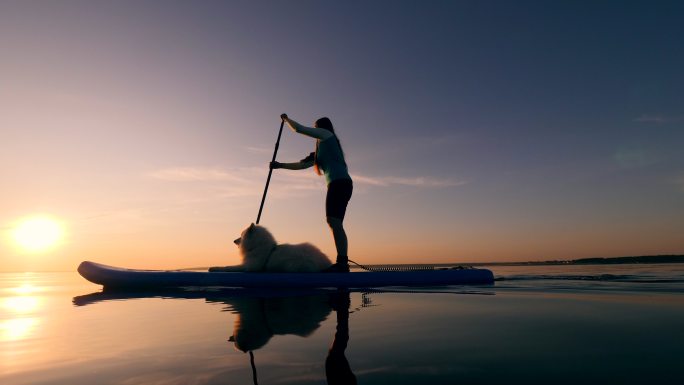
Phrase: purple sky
[475,131]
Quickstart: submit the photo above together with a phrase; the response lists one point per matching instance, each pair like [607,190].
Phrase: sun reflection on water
[25,288]
[21,310]
[21,305]
[17,328]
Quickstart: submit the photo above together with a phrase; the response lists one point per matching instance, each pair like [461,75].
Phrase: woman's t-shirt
[330,160]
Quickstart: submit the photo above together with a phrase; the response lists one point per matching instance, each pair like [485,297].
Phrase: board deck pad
[116,277]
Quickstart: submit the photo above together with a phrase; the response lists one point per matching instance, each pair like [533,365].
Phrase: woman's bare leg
[340,237]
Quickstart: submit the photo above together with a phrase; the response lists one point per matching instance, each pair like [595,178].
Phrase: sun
[37,234]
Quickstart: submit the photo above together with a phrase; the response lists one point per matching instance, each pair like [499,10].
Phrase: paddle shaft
[270,171]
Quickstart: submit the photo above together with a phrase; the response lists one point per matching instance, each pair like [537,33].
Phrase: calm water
[537,325]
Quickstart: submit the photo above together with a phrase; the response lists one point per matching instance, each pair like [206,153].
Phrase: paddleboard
[116,277]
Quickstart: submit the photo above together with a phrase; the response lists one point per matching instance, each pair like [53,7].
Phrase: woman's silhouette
[327,158]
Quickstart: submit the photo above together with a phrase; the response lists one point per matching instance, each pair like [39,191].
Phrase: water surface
[537,324]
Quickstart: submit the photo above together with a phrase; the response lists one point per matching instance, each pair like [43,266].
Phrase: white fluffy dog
[261,252]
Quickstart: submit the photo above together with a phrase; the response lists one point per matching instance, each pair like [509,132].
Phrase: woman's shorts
[339,193]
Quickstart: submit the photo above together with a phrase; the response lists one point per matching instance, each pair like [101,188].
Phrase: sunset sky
[475,131]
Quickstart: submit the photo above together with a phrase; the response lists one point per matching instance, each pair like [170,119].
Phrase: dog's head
[244,234]
[254,236]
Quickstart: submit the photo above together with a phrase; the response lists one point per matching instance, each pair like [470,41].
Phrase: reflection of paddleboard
[115,277]
[222,294]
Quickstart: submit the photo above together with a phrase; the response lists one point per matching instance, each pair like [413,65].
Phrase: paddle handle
[270,171]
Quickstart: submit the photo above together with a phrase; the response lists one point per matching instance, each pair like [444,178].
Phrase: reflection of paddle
[270,171]
[251,362]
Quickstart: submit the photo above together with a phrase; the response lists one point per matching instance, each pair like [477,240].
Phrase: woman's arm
[302,164]
[318,133]
[292,166]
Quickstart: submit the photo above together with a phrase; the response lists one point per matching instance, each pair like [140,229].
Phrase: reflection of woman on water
[259,319]
[328,158]
[337,369]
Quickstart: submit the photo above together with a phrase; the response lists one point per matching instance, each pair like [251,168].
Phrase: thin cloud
[680,183]
[403,181]
[259,150]
[249,181]
[636,158]
[192,174]
[659,119]
[241,181]
[368,180]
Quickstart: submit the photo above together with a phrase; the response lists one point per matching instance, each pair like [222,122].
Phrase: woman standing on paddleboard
[328,158]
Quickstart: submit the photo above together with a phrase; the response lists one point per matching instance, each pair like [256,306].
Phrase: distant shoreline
[601,261]
[582,261]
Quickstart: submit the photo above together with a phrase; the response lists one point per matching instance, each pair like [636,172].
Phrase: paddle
[270,171]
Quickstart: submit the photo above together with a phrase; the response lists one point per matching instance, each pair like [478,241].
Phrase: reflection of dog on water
[259,319]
